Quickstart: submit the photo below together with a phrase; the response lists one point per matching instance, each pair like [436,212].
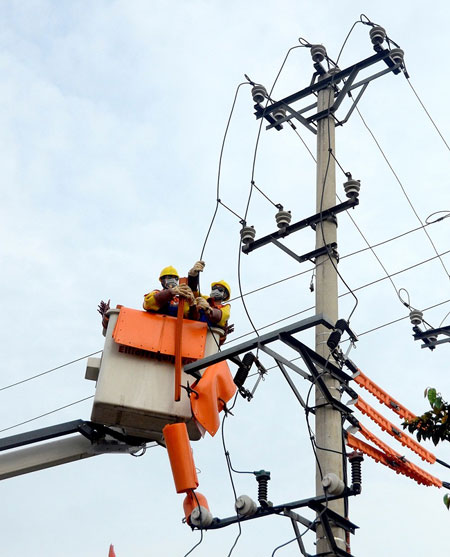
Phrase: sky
[112,118]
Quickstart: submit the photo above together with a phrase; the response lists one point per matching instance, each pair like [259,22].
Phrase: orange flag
[111,553]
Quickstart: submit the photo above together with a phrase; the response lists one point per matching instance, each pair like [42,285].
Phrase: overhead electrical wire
[46,414]
[49,371]
[401,186]
[342,295]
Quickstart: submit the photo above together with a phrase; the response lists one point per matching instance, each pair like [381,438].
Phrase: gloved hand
[202,304]
[197,268]
[184,291]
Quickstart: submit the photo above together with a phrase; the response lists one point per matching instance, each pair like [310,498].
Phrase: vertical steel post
[328,426]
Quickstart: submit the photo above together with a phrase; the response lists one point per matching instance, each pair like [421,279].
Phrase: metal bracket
[348,75]
[427,336]
[304,223]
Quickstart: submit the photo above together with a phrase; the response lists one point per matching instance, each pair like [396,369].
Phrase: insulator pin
[397,55]
[248,234]
[259,93]
[318,53]
[352,187]
[332,72]
[283,218]
[245,506]
[377,35]
[416,317]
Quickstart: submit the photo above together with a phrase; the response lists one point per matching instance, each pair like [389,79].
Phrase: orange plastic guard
[394,461]
[156,333]
[215,388]
[190,502]
[383,396]
[387,426]
[180,456]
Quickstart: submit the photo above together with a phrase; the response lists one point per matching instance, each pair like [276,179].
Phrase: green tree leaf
[447,501]
[431,394]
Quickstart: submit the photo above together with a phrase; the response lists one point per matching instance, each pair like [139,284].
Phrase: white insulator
[245,506]
[332,484]
[318,52]
[283,218]
[259,93]
[332,72]
[279,113]
[397,55]
[432,338]
[201,517]
[248,234]
[416,317]
[352,187]
[377,34]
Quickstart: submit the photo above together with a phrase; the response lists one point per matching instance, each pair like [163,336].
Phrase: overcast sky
[111,123]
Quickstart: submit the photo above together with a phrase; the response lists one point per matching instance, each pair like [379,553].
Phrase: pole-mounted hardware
[429,336]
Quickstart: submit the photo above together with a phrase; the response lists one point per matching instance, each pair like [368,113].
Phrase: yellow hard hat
[168,271]
[224,284]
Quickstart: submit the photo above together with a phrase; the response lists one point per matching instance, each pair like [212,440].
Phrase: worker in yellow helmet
[166,300]
[213,310]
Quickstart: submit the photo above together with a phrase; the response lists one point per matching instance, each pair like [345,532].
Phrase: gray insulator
[416,317]
[397,55]
[245,506]
[377,34]
[333,72]
[318,52]
[332,484]
[248,234]
[352,187]
[201,517]
[259,93]
[279,113]
[283,218]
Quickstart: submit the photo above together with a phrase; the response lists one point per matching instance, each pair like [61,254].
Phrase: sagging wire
[408,79]
[201,529]
[402,188]
[218,201]
[230,468]
[252,185]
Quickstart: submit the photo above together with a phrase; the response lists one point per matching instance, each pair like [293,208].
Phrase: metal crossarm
[194,367]
[304,223]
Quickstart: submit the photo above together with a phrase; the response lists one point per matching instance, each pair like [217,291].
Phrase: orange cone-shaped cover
[111,553]
[214,389]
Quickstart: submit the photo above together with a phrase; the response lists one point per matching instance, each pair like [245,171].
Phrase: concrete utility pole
[328,419]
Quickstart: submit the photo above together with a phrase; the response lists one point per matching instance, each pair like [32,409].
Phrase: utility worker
[166,300]
[213,310]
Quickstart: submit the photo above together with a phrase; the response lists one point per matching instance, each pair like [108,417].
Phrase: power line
[401,186]
[344,294]
[426,112]
[49,371]
[46,413]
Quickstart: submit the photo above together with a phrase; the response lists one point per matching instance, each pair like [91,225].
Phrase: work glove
[202,304]
[196,269]
[184,291]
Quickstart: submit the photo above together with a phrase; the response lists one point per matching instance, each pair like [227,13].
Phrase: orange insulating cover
[215,388]
[190,502]
[387,426]
[394,461]
[180,456]
[383,396]
[156,333]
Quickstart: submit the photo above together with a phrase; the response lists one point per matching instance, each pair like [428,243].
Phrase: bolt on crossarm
[328,428]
